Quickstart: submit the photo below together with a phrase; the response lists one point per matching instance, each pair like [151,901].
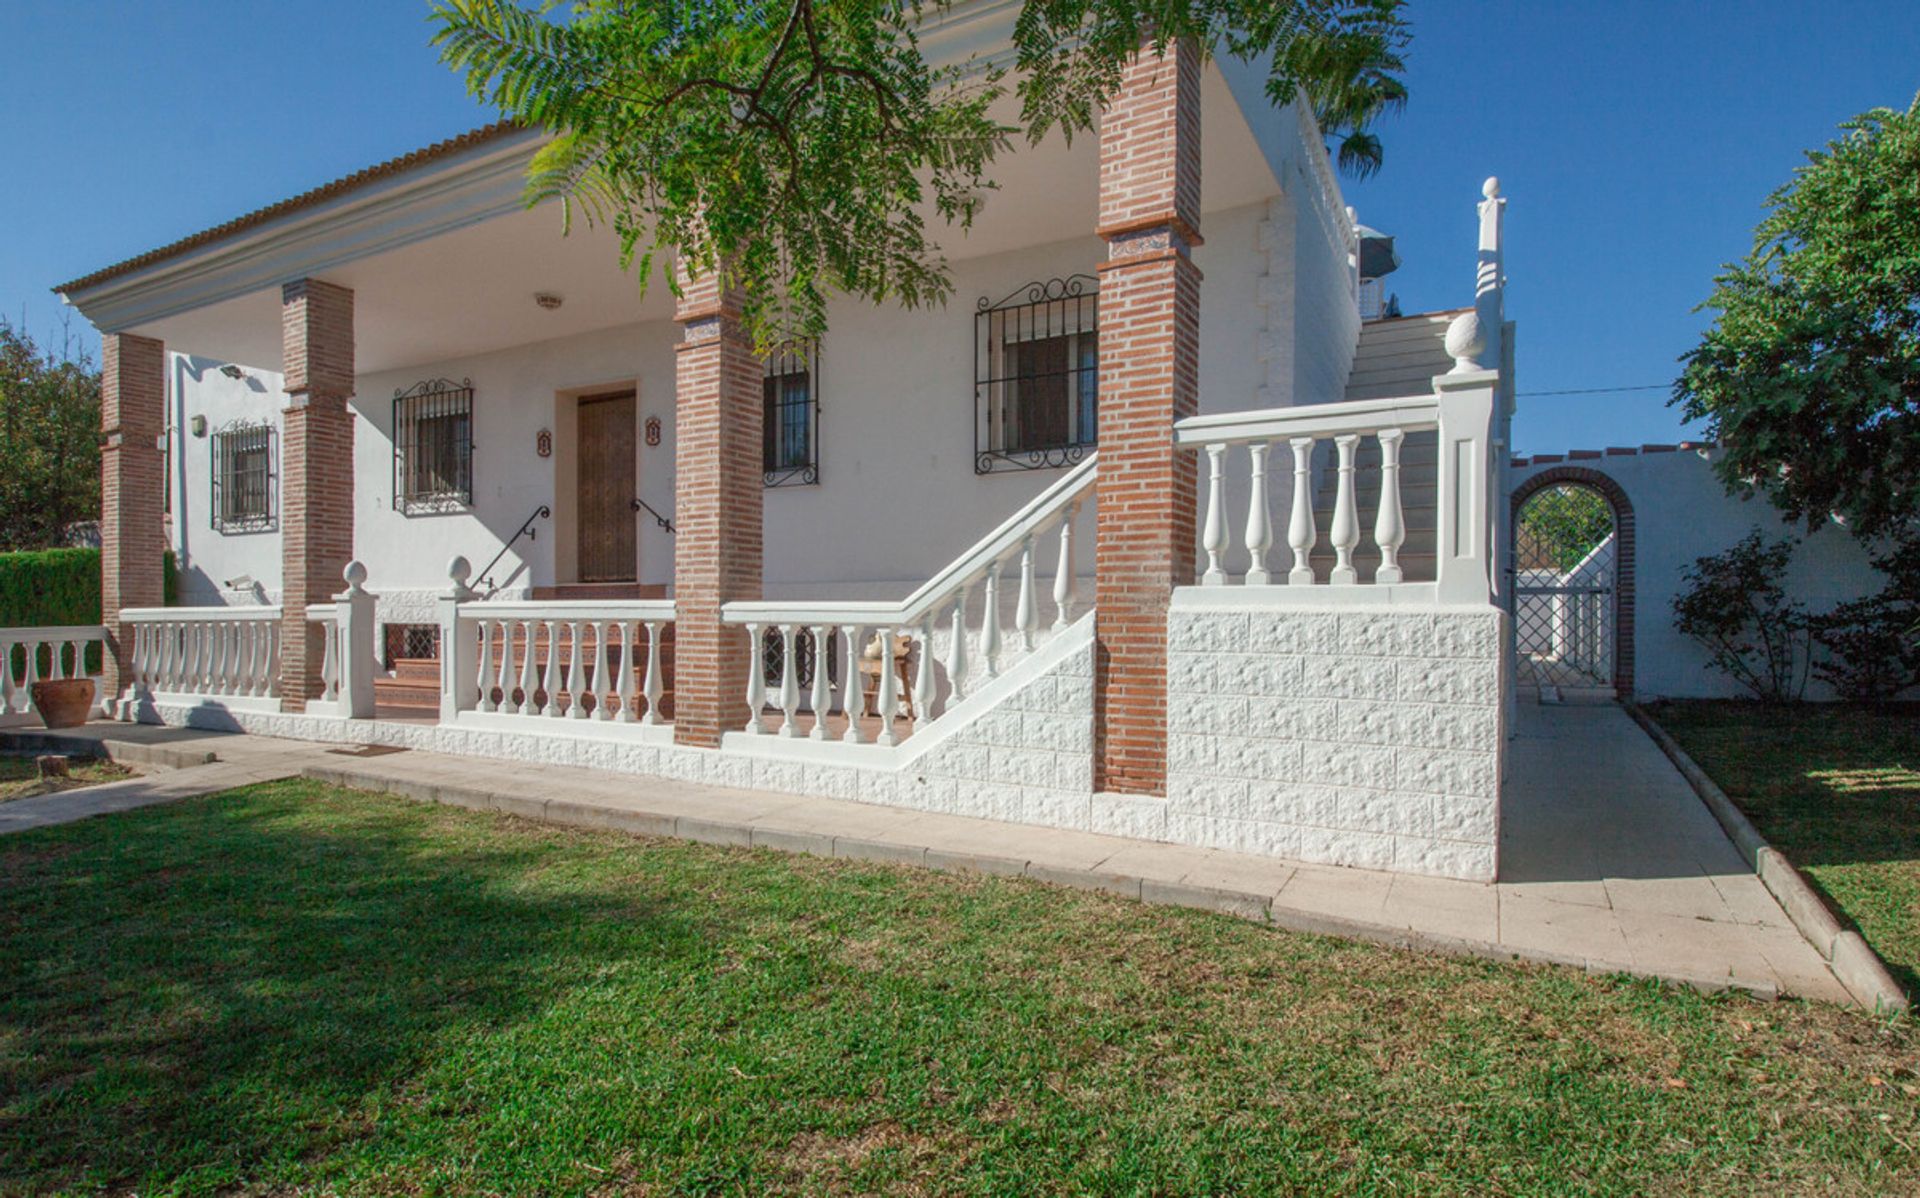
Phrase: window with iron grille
[243,478]
[433,446]
[790,419]
[1037,376]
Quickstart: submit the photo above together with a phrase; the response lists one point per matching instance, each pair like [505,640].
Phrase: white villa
[1147,532]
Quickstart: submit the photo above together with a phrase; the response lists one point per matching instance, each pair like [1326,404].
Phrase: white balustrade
[529,663]
[227,655]
[907,663]
[49,654]
[1459,410]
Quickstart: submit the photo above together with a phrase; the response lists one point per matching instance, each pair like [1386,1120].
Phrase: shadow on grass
[227,987]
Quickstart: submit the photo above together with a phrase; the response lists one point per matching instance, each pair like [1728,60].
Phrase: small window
[1037,376]
[790,418]
[433,447]
[243,478]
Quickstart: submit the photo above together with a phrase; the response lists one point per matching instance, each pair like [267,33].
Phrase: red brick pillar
[1144,541]
[717,506]
[133,414]
[316,471]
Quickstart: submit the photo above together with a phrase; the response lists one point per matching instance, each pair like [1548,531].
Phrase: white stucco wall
[208,557]
[1682,512]
[1365,736]
[898,496]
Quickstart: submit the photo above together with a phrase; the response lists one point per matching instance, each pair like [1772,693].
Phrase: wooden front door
[608,540]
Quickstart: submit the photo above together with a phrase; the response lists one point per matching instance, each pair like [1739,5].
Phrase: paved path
[1610,861]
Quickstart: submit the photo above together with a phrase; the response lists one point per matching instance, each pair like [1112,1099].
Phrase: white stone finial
[1491,188]
[355,574]
[459,569]
[1465,341]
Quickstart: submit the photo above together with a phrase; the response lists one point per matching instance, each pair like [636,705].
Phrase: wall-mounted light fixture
[232,371]
[199,426]
[548,300]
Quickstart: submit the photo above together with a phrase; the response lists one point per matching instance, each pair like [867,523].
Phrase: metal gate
[1566,554]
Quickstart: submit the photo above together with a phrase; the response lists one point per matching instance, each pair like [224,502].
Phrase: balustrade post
[925,692]
[1389,526]
[756,681]
[1023,612]
[959,668]
[1063,577]
[851,684]
[358,658]
[1301,533]
[888,700]
[1214,539]
[789,682]
[820,697]
[1345,532]
[650,689]
[990,623]
[1259,522]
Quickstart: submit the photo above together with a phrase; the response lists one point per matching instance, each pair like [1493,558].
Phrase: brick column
[133,413]
[717,506]
[316,471]
[1144,541]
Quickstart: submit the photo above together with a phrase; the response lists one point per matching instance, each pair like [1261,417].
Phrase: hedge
[43,587]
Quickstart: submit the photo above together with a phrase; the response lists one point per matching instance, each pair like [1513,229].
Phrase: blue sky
[1635,141]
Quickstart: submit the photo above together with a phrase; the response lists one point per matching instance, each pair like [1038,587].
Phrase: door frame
[566,471]
[1623,563]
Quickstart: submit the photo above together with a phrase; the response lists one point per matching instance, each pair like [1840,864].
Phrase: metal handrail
[527,530]
[641,505]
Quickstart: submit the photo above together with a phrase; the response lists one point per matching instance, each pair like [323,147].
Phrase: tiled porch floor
[1609,860]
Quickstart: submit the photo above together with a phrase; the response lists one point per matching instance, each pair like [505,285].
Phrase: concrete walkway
[1610,862]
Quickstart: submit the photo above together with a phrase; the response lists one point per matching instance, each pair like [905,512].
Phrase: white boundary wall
[1682,512]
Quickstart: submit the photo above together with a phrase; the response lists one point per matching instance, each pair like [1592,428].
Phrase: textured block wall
[1366,737]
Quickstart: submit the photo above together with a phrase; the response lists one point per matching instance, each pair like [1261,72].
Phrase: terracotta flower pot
[63,702]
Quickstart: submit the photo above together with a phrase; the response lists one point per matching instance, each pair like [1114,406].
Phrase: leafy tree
[801,148]
[1561,525]
[1810,373]
[49,442]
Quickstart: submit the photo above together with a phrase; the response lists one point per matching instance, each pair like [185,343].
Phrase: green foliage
[1735,605]
[1873,644]
[803,149]
[49,587]
[1564,524]
[1810,373]
[49,442]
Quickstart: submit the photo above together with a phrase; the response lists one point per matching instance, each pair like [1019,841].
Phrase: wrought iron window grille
[245,478]
[790,417]
[1036,375]
[433,447]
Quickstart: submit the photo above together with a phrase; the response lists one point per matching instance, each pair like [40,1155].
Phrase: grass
[292,987]
[20,776]
[1837,789]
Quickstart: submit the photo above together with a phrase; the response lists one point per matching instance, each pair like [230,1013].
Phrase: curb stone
[1847,953]
[1255,907]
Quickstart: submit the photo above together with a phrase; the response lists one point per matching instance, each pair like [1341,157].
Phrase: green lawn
[293,987]
[20,777]
[1837,789]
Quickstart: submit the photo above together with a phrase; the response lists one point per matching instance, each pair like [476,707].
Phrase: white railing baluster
[550,678]
[1214,538]
[329,661]
[756,681]
[486,666]
[1063,577]
[1345,533]
[789,681]
[529,675]
[628,629]
[580,681]
[1259,537]
[821,696]
[959,668]
[1023,611]
[597,683]
[990,623]
[852,686]
[1389,526]
[887,702]
[1301,533]
[925,690]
